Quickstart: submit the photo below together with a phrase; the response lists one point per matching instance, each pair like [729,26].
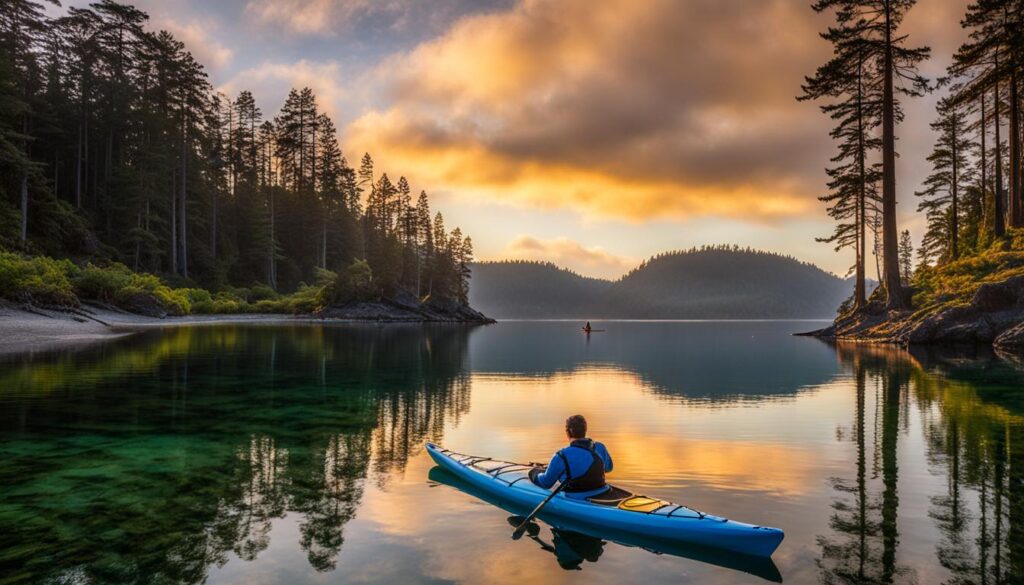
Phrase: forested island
[710,282]
[968,285]
[128,181]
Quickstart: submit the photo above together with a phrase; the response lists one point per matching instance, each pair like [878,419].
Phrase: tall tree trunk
[184,198]
[24,206]
[24,180]
[954,192]
[174,223]
[1000,209]
[1016,211]
[890,235]
[78,168]
[213,225]
[984,168]
[859,292]
[138,244]
[108,199]
[272,270]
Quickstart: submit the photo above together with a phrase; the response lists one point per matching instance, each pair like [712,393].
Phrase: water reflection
[974,443]
[158,459]
[215,453]
[569,548]
[688,360]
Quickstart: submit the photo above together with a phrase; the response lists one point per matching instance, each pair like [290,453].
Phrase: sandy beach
[36,330]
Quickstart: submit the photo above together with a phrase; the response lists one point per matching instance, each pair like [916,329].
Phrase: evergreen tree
[856,107]
[906,257]
[951,171]
[873,27]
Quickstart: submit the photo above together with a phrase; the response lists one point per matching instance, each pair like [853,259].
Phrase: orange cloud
[568,253]
[618,108]
[302,16]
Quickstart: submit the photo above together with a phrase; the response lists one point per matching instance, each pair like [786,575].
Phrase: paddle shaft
[522,527]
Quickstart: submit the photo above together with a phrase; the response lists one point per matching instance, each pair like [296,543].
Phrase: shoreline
[31,330]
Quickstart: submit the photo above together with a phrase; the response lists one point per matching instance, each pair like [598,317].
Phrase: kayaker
[587,327]
[585,459]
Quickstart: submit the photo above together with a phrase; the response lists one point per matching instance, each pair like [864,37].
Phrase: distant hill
[533,290]
[701,283]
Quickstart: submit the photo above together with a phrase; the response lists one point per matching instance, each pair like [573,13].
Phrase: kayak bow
[621,510]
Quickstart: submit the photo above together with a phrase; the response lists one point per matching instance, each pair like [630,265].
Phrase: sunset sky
[592,134]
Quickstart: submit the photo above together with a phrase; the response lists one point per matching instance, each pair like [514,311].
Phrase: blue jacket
[580,460]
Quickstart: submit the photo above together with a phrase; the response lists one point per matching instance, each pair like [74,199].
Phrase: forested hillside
[723,282]
[539,290]
[114,147]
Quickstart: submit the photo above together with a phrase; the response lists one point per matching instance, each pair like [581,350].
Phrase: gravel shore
[39,330]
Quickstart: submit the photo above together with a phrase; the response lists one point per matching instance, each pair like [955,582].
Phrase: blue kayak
[617,510]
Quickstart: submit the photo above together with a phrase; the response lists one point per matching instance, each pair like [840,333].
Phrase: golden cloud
[612,109]
[570,254]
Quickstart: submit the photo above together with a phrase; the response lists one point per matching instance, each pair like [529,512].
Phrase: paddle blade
[520,531]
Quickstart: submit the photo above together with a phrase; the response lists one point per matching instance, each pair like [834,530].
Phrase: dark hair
[576,426]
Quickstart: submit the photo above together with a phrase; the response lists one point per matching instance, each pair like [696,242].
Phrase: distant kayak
[585,330]
[618,510]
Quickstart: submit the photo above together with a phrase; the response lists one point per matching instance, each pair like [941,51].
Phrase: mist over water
[249,454]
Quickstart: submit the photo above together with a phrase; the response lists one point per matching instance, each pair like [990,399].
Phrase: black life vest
[593,478]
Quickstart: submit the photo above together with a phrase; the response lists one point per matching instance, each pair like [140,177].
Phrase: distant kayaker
[587,327]
[585,459]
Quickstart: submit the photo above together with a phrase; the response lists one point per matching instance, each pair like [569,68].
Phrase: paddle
[526,523]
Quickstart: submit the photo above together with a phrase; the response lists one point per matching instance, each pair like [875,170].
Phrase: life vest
[593,478]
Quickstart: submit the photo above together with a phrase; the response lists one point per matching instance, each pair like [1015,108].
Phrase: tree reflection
[865,540]
[180,451]
[974,442]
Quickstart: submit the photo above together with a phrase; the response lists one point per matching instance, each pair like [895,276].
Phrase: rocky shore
[406,308]
[994,316]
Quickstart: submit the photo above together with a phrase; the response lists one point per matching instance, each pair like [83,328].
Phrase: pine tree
[856,108]
[990,64]
[872,26]
[943,187]
[113,146]
[906,257]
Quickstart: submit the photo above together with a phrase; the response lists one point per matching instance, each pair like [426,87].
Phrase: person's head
[576,427]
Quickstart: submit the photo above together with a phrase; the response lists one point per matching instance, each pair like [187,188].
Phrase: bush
[103,284]
[352,285]
[262,292]
[59,282]
[37,280]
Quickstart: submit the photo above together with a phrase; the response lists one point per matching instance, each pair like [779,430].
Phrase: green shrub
[39,280]
[354,284]
[267,306]
[102,284]
[304,300]
[174,300]
[204,308]
[262,292]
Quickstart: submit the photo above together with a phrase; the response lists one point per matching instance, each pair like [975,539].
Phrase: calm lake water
[259,454]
